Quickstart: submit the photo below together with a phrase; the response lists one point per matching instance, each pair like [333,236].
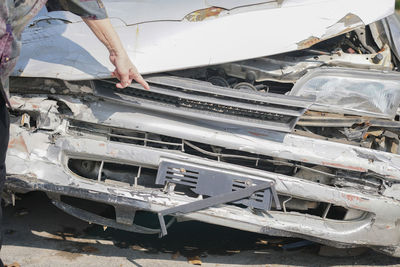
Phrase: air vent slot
[182,176]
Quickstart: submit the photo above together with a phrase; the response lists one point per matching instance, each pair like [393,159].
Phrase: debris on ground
[90,249]
[195,260]
[138,248]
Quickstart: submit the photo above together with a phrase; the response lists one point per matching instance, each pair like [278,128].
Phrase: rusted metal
[202,14]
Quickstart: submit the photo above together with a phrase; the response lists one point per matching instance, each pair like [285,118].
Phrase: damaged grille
[189,180]
[123,175]
[202,100]
[125,135]
[153,140]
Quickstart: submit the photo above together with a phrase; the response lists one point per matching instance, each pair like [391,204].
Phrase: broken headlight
[349,91]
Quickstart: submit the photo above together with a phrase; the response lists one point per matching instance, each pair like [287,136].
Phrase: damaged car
[278,117]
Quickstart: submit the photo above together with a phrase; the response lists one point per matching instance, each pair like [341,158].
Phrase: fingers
[134,74]
[144,84]
[140,80]
[116,75]
[123,78]
[122,85]
[126,79]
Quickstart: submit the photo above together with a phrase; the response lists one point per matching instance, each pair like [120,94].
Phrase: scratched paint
[207,13]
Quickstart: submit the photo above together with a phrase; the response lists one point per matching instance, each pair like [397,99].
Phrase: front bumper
[103,132]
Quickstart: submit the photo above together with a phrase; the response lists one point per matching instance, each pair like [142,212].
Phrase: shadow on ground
[35,222]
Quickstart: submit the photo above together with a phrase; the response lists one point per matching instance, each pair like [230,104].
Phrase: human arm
[124,71]
[93,13]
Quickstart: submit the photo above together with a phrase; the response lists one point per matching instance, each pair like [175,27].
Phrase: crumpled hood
[164,36]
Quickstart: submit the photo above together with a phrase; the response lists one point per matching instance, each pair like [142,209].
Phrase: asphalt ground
[39,234]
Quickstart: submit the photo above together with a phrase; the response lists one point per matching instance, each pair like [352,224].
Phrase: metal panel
[202,100]
[157,44]
[208,181]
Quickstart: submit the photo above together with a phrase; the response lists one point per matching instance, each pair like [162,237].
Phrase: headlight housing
[349,91]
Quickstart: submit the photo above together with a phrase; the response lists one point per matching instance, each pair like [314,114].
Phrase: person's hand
[125,71]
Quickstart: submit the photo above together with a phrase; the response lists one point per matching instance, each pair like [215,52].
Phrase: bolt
[378,58]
